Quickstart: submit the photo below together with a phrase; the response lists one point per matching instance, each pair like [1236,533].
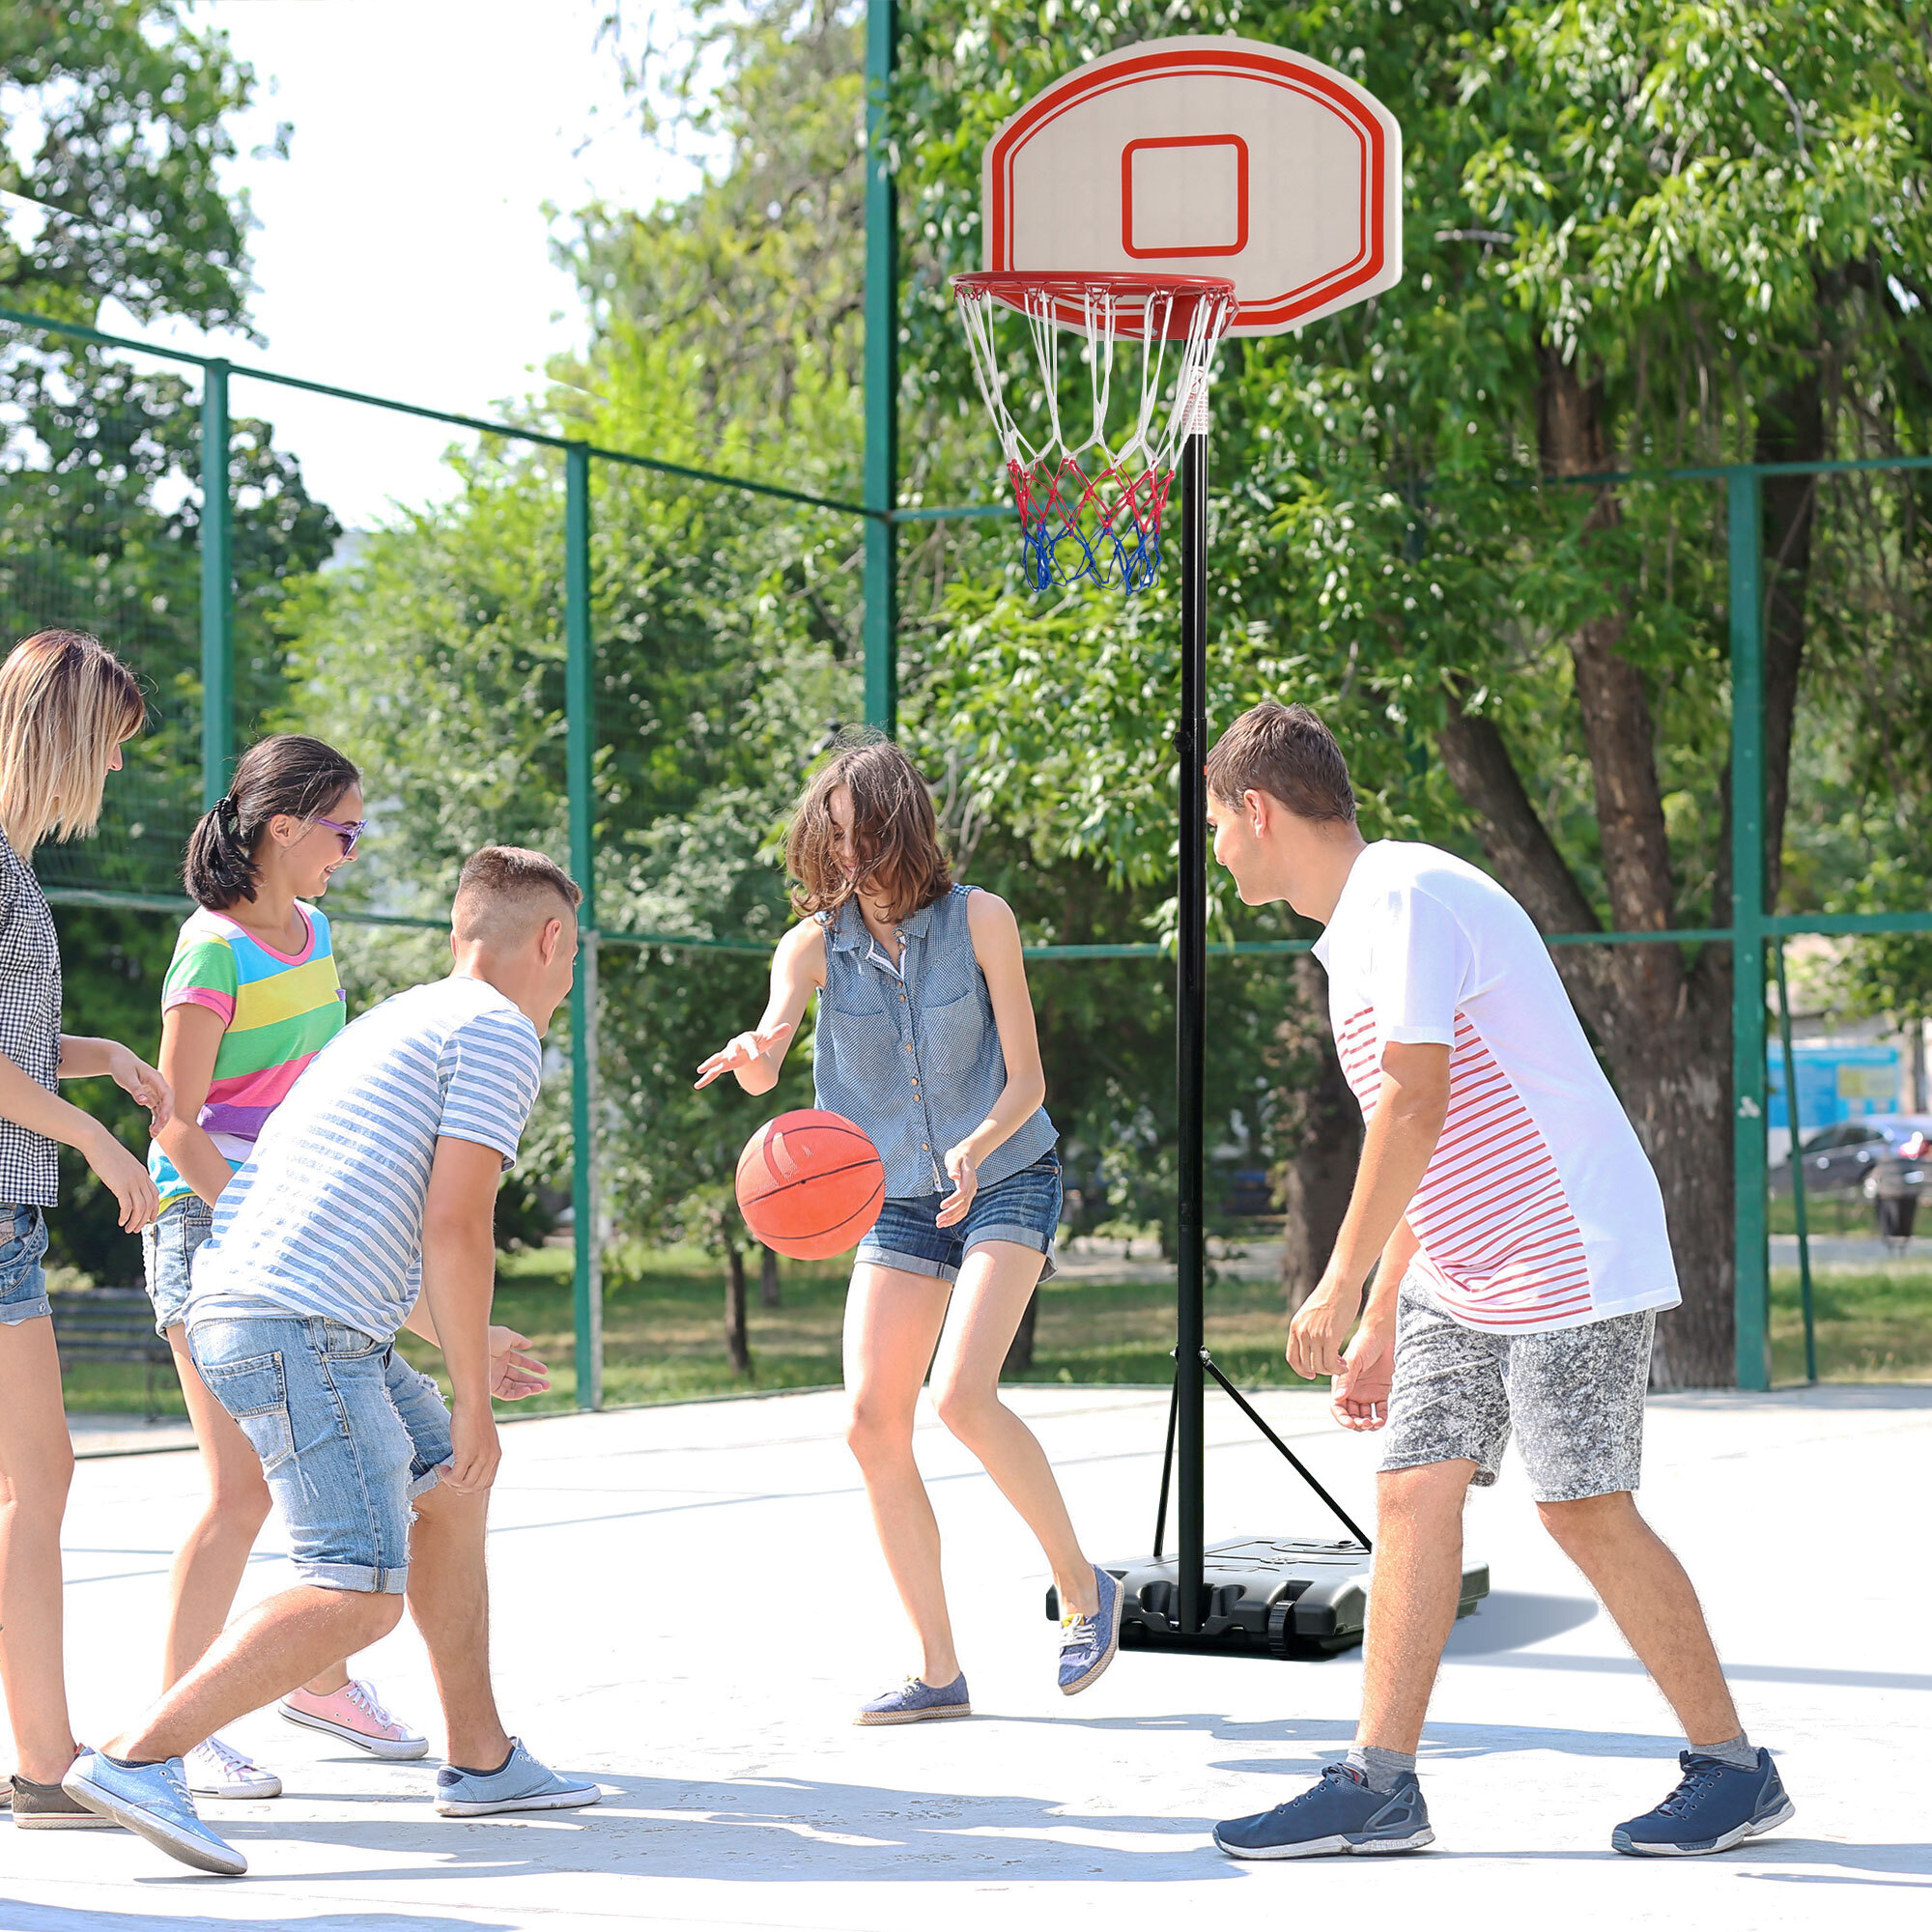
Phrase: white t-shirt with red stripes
[1539,1209]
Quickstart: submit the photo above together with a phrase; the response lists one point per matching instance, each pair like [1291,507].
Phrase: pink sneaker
[356,1715]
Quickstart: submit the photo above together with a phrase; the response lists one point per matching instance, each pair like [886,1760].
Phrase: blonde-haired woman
[67,706]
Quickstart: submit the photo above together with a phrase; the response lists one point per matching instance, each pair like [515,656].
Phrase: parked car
[1839,1159]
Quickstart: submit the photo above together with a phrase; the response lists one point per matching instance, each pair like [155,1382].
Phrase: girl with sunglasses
[250,999]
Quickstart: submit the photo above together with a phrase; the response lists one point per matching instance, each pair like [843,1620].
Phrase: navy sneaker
[1338,1814]
[1714,1806]
[1089,1644]
[915,1700]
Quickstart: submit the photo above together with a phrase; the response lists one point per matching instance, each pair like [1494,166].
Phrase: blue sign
[1834,1083]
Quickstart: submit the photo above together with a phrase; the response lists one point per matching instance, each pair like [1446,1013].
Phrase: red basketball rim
[1066,290]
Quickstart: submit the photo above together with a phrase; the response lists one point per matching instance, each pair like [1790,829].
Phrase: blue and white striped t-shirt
[325,1218]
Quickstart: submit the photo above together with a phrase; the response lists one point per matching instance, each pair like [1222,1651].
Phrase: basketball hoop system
[1089,507]
[1159,198]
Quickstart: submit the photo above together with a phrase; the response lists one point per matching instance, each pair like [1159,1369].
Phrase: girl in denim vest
[926,1040]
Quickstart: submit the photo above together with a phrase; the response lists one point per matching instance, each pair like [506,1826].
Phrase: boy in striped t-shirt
[367,1204]
[1517,1238]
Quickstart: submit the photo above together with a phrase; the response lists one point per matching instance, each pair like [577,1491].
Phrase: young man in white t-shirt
[1517,1240]
[366,1206]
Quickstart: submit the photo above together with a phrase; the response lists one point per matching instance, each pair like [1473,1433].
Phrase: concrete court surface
[688,1605]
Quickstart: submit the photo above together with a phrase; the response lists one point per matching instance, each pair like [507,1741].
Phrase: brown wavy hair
[893,831]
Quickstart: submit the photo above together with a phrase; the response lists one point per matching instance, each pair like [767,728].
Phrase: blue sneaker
[1714,1806]
[1338,1814]
[915,1700]
[1089,1644]
[152,1800]
[522,1784]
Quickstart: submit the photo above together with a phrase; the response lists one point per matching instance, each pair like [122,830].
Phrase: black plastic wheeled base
[1283,1597]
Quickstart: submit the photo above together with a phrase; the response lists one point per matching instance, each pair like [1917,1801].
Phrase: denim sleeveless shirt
[916,1061]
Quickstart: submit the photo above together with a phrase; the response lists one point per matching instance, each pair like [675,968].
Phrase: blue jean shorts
[24,1282]
[348,1433]
[167,1247]
[1023,1207]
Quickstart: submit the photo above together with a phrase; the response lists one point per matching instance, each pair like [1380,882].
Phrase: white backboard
[1203,155]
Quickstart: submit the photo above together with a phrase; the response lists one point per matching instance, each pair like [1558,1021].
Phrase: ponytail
[287,775]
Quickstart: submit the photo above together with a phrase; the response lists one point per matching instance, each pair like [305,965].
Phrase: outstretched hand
[741,1052]
[514,1374]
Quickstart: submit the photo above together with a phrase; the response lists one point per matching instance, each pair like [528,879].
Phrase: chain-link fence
[632,662]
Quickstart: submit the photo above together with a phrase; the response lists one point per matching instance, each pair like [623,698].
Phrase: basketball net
[1091,508]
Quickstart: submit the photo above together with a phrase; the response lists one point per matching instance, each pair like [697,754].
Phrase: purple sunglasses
[347,834]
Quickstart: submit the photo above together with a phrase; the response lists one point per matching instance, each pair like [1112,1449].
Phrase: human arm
[996,945]
[82,1057]
[1359,1394]
[190,1039]
[459,1280]
[513,1375]
[28,1104]
[1403,1129]
[798,971]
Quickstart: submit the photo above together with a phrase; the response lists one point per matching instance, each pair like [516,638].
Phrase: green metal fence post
[1743,487]
[882,376]
[579,747]
[217,576]
[1796,1166]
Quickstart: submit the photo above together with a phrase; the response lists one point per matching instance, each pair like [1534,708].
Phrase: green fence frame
[1752,930]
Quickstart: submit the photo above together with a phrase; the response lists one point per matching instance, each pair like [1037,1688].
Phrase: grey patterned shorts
[1573,1398]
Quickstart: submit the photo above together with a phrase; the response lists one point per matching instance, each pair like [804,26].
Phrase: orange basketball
[811,1184]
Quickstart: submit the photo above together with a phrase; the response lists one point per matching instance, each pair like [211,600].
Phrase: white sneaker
[217,1770]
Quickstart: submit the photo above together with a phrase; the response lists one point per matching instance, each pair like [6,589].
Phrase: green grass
[664,1331]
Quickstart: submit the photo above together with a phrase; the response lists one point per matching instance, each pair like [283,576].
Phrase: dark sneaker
[1089,1644]
[1714,1806]
[915,1700]
[1338,1814]
[47,1808]
[522,1784]
[152,1800]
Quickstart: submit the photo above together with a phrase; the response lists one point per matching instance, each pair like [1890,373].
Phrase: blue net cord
[1073,527]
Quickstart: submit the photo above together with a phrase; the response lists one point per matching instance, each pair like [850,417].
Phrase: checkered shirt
[30,1025]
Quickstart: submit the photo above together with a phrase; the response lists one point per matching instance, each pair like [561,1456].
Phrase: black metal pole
[1191,1024]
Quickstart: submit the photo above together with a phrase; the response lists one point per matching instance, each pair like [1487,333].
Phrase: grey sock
[1381,1769]
[1738,1751]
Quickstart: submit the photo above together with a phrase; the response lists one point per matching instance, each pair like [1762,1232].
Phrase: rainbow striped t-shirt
[280,1011]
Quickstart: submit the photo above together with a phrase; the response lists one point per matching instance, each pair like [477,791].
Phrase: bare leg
[449,1598]
[892,1323]
[36,1468]
[261,1657]
[1644,1588]
[989,1300]
[209,1566]
[1412,1597]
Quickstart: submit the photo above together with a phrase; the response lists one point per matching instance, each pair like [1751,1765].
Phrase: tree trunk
[1019,1354]
[1317,1130]
[767,1278]
[736,1344]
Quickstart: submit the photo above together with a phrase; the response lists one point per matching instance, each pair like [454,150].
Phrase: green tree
[115,124]
[1638,234]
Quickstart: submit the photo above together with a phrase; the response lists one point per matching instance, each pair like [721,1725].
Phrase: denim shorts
[1023,1207]
[348,1433]
[167,1247]
[24,1282]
